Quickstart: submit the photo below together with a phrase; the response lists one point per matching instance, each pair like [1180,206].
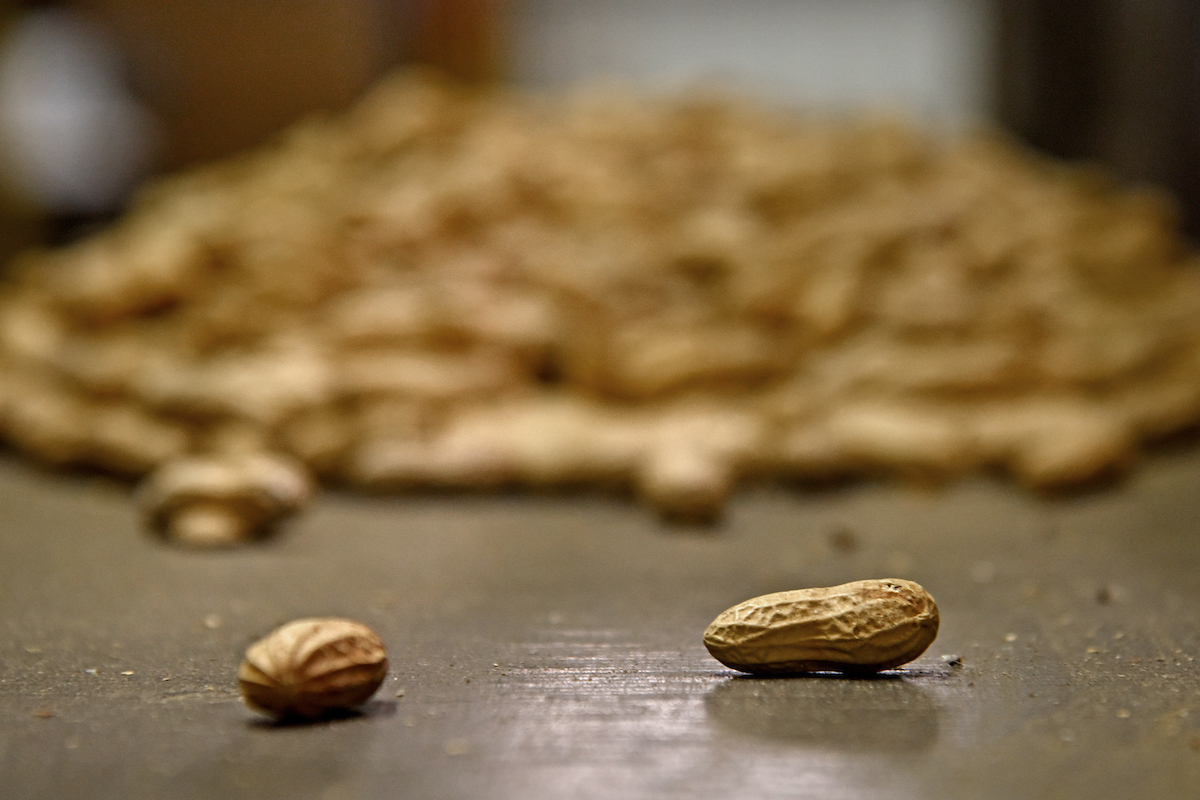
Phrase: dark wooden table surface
[550,646]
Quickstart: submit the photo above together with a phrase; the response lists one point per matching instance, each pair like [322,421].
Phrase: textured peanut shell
[864,626]
[310,667]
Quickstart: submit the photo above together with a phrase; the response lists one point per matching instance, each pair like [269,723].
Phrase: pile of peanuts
[453,288]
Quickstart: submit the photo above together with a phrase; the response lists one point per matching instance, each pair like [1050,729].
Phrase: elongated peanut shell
[864,626]
[310,667]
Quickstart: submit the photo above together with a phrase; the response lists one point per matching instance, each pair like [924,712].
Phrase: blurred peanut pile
[443,288]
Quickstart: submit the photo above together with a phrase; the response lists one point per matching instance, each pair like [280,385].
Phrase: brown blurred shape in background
[1116,81]
[221,75]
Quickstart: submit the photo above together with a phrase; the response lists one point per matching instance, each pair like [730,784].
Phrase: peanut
[862,627]
[610,290]
[311,667]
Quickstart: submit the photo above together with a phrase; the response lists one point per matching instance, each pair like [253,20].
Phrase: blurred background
[95,95]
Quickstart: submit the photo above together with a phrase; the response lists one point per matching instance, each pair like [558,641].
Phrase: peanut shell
[310,667]
[863,626]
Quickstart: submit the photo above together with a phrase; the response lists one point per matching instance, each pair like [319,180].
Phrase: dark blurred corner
[1113,81]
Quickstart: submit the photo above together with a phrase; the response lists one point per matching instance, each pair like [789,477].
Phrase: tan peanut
[863,626]
[223,499]
[310,667]
[519,295]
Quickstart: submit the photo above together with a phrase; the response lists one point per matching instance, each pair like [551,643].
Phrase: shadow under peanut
[879,713]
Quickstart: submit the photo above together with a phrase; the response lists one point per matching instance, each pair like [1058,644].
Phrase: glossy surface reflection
[550,647]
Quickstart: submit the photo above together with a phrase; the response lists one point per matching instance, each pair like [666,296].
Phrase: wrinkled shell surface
[864,626]
[310,667]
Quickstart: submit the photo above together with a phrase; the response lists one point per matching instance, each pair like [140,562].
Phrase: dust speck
[843,539]
[983,572]
[456,747]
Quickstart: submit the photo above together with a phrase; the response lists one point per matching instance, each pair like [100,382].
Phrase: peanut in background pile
[454,289]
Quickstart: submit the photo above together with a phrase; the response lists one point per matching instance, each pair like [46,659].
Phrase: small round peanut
[312,667]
